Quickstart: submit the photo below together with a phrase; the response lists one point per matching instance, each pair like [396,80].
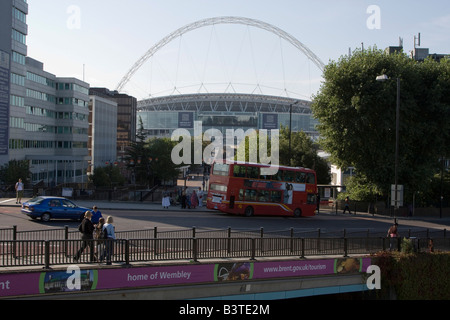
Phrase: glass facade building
[126,118]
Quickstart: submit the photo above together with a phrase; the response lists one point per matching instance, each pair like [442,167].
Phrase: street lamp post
[397,134]
[290,131]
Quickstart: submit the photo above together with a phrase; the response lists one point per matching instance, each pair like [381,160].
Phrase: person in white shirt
[19,191]
[109,243]
[200,197]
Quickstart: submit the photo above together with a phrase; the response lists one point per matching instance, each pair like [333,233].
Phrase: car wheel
[249,211]
[46,217]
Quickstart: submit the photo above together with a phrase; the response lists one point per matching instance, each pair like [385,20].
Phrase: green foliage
[11,172]
[151,160]
[303,152]
[422,276]
[162,166]
[407,246]
[107,177]
[358,188]
[357,116]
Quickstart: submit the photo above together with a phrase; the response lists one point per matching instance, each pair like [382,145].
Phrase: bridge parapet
[247,275]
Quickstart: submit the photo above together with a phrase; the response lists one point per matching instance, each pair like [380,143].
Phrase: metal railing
[65,233]
[61,252]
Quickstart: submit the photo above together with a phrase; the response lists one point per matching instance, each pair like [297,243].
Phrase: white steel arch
[220,20]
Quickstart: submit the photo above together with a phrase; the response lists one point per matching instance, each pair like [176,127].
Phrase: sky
[99,41]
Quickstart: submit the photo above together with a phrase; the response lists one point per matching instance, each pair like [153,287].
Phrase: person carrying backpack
[87,235]
[108,235]
[98,236]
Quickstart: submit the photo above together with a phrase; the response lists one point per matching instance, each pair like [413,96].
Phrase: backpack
[104,234]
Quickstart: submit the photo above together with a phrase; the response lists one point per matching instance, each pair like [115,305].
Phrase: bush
[414,276]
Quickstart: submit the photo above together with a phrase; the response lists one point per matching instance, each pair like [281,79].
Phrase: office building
[44,118]
[102,130]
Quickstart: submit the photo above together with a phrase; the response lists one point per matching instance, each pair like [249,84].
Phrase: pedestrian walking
[183,199]
[109,230]
[166,200]
[19,191]
[188,199]
[430,245]
[347,205]
[100,242]
[87,235]
[200,197]
[194,199]
[96,215]
[392,234]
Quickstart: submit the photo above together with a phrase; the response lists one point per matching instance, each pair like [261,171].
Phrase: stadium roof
[225,102]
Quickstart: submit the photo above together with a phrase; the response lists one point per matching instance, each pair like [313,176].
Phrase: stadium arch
[220,20]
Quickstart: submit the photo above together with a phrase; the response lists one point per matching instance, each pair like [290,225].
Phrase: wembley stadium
[161,116]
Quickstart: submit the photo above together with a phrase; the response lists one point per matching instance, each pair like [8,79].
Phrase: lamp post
[151,170]
[384,77]
[290,131]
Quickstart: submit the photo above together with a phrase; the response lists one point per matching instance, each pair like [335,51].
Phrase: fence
[66,233]
[159,248]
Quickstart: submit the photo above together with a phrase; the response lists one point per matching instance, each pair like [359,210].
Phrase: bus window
[265,177]
[276,196]
[263,195]
[239,171]
[289,176]
[221,169]
[278,176]
[241,194]
[311,199]
[300,177]
[217,187]
[253,172]
[250,194]
[310,178]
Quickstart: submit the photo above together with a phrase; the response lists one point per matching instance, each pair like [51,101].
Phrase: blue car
[47,208]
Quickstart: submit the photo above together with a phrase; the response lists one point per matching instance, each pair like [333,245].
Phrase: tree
[151,159]
[357,116]
[303,151]
[303,154]
[163,168]
[13,170]
[108,177]
[137,155]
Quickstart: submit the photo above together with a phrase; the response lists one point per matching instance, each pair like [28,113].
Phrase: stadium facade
[161,116]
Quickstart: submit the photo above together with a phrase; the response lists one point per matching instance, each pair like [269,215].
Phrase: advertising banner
[76,280]
[270,121]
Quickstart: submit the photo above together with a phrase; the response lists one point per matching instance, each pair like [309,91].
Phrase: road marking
[7,200]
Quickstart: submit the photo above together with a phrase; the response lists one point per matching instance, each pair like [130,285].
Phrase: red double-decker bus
[240,188]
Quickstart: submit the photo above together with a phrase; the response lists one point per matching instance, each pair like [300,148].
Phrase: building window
[18,58]
[19,36]
[18,79]
[19,15]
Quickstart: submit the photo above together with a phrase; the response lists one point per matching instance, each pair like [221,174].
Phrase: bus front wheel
[297,213]
[249,211]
